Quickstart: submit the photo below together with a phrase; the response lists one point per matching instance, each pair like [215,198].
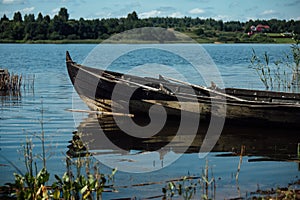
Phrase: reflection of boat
[103,136]
[102,89]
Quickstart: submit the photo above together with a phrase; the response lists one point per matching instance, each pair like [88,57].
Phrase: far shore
[97,41]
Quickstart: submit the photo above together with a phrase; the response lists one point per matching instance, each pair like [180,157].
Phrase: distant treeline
[61,27]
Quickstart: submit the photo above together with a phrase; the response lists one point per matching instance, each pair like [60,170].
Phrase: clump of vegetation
[32,184]
[283,74]
[9,82]
[187,187]
[79,185]
[74,184]
[82,179]
[280,193]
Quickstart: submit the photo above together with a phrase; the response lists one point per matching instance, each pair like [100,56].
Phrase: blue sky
[225,10]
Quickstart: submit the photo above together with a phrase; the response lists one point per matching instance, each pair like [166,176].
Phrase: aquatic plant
[283,74]
[79,185]
[187,187]
[206,182]
[9,82]
[33,184]
[280,193]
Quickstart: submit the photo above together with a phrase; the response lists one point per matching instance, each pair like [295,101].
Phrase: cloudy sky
[225,10]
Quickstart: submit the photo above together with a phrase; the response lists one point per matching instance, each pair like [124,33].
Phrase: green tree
[63,14]
[5,30]
[17,17]
[40,18]
[199,31]
[220,25]
[29,18]
[132,16]
[41,32]
[60,26]
[4,18]
[297,27]
[18,31]
[47,19]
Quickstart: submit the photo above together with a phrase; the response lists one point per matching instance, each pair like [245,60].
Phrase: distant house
[257,29]
[261,28]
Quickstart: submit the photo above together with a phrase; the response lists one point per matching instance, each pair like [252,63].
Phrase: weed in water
[188,186]
[284,74]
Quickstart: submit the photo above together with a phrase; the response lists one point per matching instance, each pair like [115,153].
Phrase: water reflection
[102,136]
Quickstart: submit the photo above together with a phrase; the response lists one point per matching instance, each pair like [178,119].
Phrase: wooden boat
[101,89]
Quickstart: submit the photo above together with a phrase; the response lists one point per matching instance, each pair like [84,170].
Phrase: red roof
[262,26]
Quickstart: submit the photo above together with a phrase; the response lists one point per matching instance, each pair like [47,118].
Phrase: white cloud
[222,17]
[103,14]
[197,11]
[55,10]
[24,11]
[268,12]
[12,1]
[5,12]
[27,10]
[152,13]
[176,15]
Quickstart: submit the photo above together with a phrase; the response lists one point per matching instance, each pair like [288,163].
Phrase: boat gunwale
[184,95]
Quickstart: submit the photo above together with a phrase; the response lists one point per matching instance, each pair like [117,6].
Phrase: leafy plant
[283,74]
[31,185]
[187,187]
[81,186]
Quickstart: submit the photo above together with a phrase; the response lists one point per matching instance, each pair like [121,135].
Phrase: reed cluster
[283,74]
[9,82]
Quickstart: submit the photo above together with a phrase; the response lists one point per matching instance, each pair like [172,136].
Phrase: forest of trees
[60,27]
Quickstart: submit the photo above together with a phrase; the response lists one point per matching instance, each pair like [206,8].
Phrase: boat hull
[115,92]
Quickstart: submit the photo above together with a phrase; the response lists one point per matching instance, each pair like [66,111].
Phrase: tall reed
[282,74]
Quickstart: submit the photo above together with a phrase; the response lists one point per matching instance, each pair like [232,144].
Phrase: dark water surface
[53,93]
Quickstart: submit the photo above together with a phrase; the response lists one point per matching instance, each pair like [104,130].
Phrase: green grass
[64,41]
[284,40]
[230,36]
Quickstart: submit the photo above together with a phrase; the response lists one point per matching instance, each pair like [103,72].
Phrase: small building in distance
[258,29]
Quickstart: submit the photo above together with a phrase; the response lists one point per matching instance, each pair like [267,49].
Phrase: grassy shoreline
[137,42]
[200,40]
[64,41]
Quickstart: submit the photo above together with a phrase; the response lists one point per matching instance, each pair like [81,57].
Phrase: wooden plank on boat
[101,112]
[205,89]
[120,79]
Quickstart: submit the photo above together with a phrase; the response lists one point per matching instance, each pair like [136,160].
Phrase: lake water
[20,118]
